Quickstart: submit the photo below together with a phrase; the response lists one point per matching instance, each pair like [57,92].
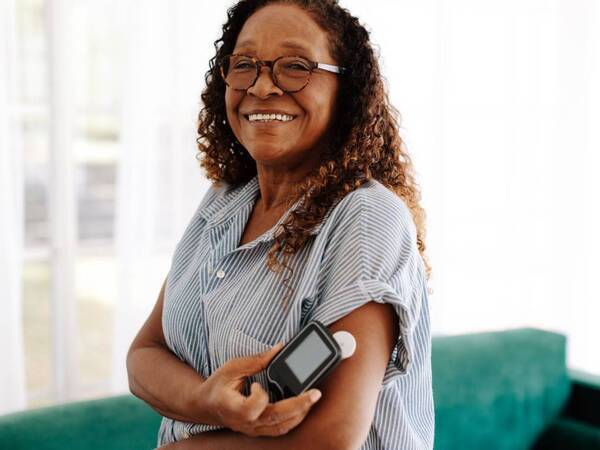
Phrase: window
[57,372]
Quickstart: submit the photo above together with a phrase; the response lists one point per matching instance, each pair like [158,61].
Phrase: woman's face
[273,31]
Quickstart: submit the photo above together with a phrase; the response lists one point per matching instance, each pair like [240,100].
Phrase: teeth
[266,117]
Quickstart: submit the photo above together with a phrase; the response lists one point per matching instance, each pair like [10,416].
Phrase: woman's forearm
[170,386]
[300,438]
[221,439]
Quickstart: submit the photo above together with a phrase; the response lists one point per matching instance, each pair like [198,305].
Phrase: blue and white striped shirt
[222,302]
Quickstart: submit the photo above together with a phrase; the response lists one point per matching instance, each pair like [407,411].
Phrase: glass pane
[37,331]
[101,128]
[35,142]
[96,153]
[96,138]
[97,56]
[96,202]
[96,286]
[31,39]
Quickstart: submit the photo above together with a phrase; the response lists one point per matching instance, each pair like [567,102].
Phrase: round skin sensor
[346,342]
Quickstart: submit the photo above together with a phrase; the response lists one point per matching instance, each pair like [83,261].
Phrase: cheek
[320,104]
[232,101]
[320,114]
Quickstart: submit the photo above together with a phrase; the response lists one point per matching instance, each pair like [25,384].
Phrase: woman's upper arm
[151,332]
[344,414]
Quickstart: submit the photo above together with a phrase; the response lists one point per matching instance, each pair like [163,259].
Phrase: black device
[307,359]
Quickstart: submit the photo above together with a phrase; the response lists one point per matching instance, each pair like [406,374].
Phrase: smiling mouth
[267,121]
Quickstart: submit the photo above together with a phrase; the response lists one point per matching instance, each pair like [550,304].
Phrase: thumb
[257,362]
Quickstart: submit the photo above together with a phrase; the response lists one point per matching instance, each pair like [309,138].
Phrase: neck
[270,208]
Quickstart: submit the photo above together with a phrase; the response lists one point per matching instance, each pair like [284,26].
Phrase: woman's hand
[253,415]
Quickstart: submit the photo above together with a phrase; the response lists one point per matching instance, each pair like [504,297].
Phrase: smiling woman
[285,152]
[302,145]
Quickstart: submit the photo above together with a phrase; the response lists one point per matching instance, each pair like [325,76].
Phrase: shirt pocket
[241,344]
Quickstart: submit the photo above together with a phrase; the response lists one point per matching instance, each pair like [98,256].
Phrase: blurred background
[500,106]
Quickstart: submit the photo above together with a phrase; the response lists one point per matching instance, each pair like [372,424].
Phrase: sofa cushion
[116,423]
[497,390]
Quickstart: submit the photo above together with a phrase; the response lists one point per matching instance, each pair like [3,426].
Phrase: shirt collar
[236,199]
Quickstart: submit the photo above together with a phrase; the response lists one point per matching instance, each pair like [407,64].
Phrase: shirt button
[220,274]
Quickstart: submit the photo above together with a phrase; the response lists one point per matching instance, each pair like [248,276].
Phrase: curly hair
[362,142]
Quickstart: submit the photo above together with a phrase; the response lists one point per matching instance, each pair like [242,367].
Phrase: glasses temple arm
[330,68]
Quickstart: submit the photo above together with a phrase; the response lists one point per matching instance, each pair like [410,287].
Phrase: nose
[264,85]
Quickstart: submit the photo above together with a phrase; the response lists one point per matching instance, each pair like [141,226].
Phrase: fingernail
[314,395]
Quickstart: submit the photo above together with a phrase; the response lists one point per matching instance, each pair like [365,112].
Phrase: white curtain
[167,48]
[12,372]
[501,106]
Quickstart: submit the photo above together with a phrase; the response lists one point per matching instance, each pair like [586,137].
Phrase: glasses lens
[239,71]
[292,73]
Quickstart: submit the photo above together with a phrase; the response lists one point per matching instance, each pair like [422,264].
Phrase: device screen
[309,355]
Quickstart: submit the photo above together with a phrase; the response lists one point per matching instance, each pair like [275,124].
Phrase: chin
[265,153]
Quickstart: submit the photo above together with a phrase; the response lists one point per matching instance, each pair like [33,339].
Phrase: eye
[239,62]
[243,65]
[296,65]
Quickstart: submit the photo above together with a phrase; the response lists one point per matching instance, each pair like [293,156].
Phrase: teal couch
[493,391]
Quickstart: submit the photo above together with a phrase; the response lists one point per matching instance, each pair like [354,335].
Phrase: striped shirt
[221,301]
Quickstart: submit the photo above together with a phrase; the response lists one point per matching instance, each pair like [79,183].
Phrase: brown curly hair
[363,143]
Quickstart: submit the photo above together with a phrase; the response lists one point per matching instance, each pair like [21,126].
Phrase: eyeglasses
[290,73]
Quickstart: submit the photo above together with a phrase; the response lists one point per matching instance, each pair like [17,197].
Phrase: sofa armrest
[569,434]
[584,402]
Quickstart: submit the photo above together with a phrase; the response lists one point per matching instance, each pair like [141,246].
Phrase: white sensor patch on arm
[347,343]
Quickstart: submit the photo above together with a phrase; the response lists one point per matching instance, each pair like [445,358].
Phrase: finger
[290,407]
[281,427]
[254,405]
[244,408]
[252,364]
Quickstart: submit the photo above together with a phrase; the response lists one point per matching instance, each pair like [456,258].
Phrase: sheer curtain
[167,48]
[12,374]
[501,105]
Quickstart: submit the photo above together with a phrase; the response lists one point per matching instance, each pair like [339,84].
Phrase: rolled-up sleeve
[372,255]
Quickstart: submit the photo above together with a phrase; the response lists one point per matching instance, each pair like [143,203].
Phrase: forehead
[282,29]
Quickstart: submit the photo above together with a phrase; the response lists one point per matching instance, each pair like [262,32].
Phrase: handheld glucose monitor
[307,359]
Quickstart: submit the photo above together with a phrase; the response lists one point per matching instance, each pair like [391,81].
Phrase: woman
[299,137]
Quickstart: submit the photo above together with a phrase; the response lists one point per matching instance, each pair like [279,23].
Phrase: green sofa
[493,391]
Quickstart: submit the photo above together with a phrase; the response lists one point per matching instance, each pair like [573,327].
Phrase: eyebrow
[286,44]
